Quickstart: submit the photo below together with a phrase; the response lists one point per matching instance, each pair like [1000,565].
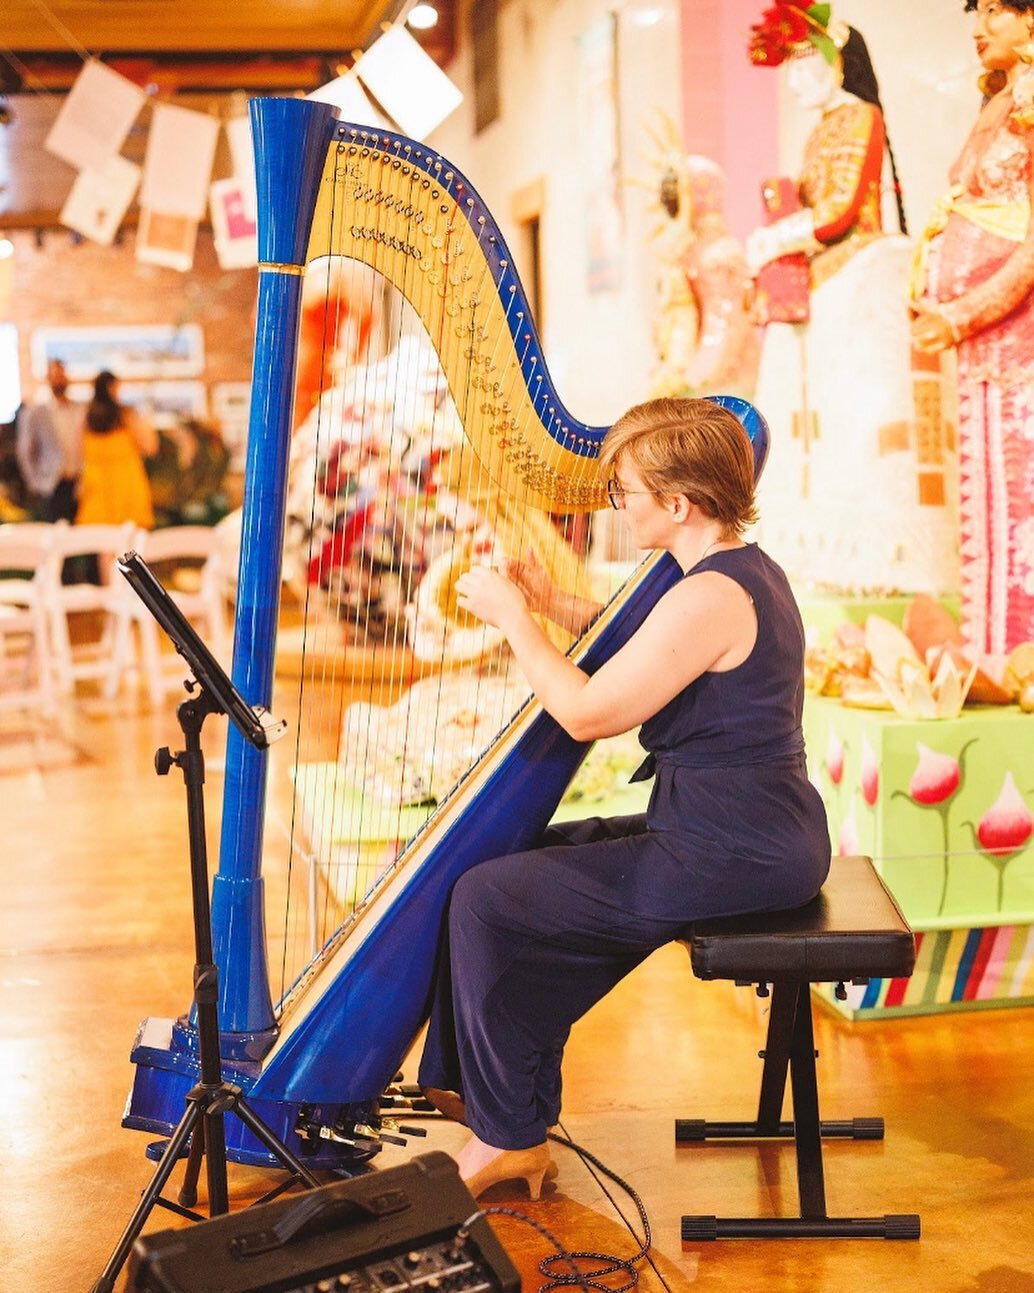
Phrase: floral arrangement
[922,671]
[787,25]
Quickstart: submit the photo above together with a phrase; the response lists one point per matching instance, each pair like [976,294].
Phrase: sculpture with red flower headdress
[788,26]
[859,491]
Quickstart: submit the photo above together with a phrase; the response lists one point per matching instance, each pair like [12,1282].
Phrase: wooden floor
[96,934]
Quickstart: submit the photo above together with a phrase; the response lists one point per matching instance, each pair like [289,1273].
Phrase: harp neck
[403,210]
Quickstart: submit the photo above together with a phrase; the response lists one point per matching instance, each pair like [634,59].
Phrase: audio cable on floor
[550,1266]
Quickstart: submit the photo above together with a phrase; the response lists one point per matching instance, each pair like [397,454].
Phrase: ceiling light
[422,16]
[6,248]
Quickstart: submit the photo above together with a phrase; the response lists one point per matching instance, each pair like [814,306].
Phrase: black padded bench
[851,932]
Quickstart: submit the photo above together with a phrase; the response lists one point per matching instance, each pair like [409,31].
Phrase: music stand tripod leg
[175,1146]
[188,1188]
[212,1097]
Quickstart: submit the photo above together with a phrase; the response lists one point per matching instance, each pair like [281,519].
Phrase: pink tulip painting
[834,757]
[936,777]
[870,774]
[847,845]
[1004,830]
[1007,825]
[933,785]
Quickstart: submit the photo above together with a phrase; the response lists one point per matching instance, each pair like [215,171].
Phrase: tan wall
[599,344]
[61,284]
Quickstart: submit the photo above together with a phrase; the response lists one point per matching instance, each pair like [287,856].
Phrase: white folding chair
[26,680]
[228,551]
[109,656]
[188,561]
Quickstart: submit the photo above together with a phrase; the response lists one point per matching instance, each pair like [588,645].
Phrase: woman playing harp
[715,676]
[316,1042]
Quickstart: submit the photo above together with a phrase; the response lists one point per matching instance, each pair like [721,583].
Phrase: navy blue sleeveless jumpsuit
[733,825]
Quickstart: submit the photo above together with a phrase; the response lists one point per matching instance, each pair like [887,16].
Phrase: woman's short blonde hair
[691,447]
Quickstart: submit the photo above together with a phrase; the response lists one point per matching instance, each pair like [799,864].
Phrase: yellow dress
[114,485]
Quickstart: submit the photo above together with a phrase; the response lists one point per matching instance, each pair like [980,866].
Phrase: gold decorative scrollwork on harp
[378,206]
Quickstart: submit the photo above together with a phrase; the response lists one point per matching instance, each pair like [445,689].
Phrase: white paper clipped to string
[95,117]
[178,166]
[408,83]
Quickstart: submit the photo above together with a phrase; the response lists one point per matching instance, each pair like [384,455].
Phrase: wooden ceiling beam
[110,25]
[247,70]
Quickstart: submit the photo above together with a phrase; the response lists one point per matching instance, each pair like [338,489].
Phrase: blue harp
[315,1027]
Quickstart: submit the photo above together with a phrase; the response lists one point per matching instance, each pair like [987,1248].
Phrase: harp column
[290,137]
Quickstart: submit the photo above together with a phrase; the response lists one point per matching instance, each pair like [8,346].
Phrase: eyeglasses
[617,493]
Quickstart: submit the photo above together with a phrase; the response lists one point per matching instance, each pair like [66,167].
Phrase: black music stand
[207,1103]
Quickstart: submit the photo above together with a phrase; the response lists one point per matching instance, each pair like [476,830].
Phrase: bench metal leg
[804,1086]
[790,1050]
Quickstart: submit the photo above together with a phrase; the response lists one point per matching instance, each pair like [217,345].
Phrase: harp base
[165,1075]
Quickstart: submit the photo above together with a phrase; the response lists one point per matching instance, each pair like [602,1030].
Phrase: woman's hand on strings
[568,610]
[489,595]
[531,578]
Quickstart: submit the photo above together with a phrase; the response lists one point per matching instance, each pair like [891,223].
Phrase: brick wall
[64,284]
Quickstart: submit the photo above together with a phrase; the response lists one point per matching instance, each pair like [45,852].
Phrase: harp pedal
[408,1096]
[399,1130]
[366,1136]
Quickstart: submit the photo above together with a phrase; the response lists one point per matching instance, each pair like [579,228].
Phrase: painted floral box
[946,810]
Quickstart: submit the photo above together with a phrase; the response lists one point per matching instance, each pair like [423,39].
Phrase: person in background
[116,441]
[714,676]
[974,290]
[49,448]
[12,486]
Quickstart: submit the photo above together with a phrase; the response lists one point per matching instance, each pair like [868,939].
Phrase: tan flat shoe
[531,1165]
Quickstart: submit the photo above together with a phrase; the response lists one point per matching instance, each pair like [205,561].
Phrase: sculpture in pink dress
[975,289]
[706,340]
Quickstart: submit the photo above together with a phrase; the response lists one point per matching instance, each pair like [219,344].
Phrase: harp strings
[350,664]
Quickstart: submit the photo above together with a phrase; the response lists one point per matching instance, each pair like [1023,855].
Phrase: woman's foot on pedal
[449,1103]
